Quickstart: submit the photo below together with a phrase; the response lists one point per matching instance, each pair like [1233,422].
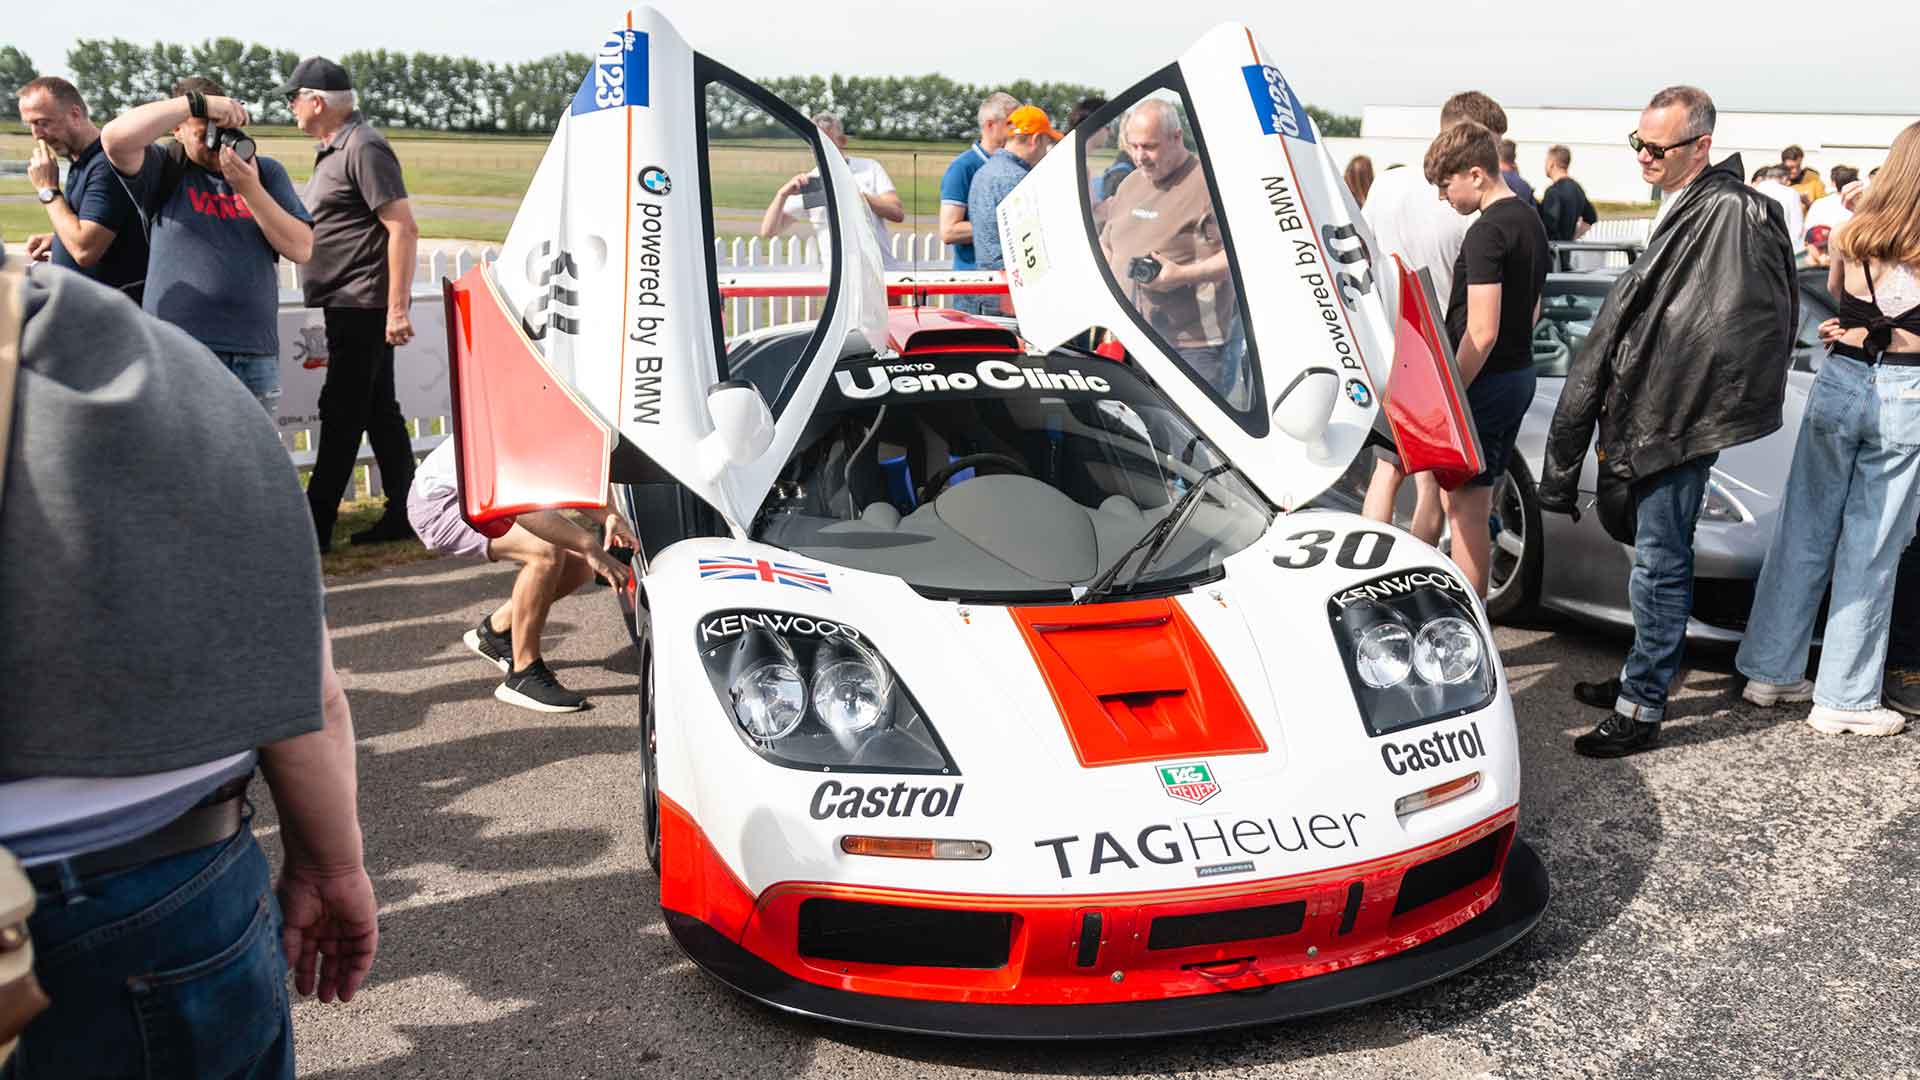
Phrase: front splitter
[1523,899]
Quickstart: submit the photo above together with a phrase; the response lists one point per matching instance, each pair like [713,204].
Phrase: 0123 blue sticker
[619,75]
[1275,103]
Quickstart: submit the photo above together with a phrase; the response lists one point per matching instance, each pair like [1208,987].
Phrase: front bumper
[1521,901]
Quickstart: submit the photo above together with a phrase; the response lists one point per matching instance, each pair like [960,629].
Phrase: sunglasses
[1655,150]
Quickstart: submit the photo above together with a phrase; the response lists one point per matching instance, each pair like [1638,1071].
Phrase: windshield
[1001,475]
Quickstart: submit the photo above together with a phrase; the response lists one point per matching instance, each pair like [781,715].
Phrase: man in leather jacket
[1688,357]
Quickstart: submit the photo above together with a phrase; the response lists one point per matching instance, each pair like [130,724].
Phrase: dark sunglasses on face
[1655,150]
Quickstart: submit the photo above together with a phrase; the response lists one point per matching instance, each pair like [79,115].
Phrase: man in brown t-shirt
[1162,242]
[361,275]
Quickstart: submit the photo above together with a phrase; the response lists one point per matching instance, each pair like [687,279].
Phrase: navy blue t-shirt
[212,271]
[97,196]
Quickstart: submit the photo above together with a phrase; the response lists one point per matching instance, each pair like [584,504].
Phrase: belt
[1892,359]
[214,820]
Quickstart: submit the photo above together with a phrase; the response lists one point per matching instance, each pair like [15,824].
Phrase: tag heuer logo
[1191,782]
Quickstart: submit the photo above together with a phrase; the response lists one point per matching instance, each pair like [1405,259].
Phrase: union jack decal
[735,568]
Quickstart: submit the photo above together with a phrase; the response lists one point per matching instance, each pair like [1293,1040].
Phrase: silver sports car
[1551,561]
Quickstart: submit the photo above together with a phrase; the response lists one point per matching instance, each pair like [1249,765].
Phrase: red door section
[1135,681]
[1425,401]
[523,439]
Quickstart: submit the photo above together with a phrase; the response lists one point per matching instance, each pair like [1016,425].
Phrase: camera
[813,193]
[239,141]
[1143,268]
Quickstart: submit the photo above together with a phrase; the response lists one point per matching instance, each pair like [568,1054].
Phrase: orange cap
[1032,120]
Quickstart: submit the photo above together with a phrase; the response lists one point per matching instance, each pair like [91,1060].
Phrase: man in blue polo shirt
[956,231]
[96,229]
[218,222]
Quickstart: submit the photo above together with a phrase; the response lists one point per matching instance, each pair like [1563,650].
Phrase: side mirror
[742,425]
[1305,407]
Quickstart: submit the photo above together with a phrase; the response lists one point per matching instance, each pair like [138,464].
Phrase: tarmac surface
[1738,902]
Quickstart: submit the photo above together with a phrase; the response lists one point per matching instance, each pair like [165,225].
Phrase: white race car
[989,685]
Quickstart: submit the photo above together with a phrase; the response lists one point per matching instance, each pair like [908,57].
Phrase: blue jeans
[168,970]
[1666,509]
[1847,517]
[261,375]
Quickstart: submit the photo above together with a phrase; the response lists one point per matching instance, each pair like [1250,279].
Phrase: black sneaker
[1600,695]
[1902,690]
[390,527]
[494,648]
[537,689]
[1617,736]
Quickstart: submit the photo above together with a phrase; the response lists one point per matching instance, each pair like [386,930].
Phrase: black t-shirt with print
[1506,247]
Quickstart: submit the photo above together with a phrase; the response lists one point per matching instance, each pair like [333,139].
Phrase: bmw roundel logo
[1358,393]
[655,179]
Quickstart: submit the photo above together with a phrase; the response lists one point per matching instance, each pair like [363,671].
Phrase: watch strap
[196,104]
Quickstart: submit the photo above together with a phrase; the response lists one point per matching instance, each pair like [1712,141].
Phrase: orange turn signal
[1437,795]
[899,847]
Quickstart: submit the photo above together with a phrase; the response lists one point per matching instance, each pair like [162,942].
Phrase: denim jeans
[1666,509]
[1903,631]
[260,373]
[1848,517]
[168,970]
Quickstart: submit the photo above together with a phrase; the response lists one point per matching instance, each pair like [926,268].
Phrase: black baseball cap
[316,73]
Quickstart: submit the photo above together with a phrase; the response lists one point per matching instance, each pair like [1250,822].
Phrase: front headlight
[847,713]
[1415,652]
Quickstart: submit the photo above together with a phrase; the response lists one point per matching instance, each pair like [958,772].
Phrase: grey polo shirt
[355,173]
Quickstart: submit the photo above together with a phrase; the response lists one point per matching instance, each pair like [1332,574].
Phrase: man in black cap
[361,275]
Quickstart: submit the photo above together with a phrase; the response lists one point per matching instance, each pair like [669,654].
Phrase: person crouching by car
[1688,357]
[556,558]
[219,217]
[1854,489]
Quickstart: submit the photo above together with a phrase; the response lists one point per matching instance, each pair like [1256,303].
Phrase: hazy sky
[1340,54]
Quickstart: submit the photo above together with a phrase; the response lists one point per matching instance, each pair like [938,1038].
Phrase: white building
[1603,163]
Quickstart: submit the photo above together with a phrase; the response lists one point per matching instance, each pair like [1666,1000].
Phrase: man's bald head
[1153,138]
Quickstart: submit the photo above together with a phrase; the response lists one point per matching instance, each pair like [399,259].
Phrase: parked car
[1555,563]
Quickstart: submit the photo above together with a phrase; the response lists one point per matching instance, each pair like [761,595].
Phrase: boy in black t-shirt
[1490,316]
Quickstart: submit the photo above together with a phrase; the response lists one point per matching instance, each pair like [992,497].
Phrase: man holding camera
[219,217]
[1162,242]
[361,276]
[96,229]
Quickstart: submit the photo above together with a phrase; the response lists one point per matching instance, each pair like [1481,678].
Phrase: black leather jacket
[1689,354]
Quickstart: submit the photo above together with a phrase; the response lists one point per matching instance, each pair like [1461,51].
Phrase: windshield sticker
[878,380]
[736,568]
[619,75]
[1274,103]
[1189,782]
[1029,263]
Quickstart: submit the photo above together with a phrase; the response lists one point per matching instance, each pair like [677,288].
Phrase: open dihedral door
[1236,272]
[597,328]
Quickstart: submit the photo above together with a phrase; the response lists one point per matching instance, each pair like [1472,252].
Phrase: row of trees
[454,93]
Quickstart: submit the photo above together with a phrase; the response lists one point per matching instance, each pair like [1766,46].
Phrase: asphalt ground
[1738,902]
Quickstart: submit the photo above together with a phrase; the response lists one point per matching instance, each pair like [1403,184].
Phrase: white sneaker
[1766,694]
[1881,721]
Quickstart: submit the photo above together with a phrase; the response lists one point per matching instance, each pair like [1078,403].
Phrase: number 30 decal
[1311,550]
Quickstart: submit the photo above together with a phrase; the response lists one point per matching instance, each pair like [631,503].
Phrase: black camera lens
[1143,268]
[239,141]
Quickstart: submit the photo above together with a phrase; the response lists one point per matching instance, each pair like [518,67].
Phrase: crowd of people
[1688,358]
[131,815]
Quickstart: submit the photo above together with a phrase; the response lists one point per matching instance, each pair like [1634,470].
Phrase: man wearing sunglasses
[1687,357]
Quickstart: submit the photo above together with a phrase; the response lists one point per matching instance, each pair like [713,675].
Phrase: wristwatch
[47,194]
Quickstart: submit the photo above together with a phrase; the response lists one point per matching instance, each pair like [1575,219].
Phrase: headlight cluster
[810,693]
[1414,651]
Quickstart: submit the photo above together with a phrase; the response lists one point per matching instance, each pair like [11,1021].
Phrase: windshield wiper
[1154,539]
